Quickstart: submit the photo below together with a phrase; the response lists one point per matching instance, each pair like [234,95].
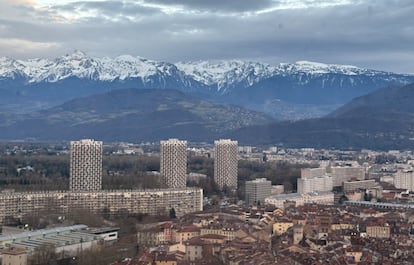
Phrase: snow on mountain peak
[321,68]
[223,74]
[79,64]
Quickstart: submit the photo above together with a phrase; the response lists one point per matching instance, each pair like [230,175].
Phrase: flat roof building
[257,190]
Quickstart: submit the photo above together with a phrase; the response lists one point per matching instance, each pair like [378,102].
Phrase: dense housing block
[173,167]
[85,165]
[225,163]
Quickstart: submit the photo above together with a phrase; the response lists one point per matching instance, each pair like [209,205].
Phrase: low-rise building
[69,240]
[326,198]
[228,232]
[281,226]
[378,230]
[185,233]
[14,256]
[358,184]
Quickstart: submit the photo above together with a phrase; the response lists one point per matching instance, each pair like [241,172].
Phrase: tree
[172,214]
[343,199]
[43,254]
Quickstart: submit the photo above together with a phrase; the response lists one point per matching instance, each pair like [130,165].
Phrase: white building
[322,183]
[404,180]
[342,174]
[173,167]
[359,184]
[257,190]
[225,163]
[325,198]
[85,165]
[310,173]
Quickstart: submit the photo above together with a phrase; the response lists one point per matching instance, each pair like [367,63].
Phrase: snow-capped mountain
[224,75]
[229,74]
[82,66]
[47,82]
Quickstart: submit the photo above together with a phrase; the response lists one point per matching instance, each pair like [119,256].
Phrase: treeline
[47,172]
[51,172]
[33,172]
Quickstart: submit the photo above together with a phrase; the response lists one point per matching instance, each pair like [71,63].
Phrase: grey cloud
[108,8]
[219,5]
[372,34]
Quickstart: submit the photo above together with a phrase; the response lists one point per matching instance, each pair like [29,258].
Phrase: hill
[131,115]
[383,119]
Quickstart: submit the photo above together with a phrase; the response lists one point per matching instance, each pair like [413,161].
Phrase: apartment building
[257,190]
[225,163]
[152,202]
[173,167]
[85,165]
[404,180]
[315,184]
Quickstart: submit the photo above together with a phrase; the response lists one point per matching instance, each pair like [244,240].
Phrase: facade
[404,180]
[280,227]
[173,167]
[185,233]
[85,165]
[229,233]
[326,198]
[310,173]
[378,231]
[342,174]
[257,190]
[14,256]
[360,184]
[153,202]
[225,163]
[306,185]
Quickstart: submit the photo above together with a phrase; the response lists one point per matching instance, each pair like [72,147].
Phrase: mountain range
[134,99]
[284,91]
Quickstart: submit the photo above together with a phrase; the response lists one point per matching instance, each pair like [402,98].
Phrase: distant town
[178,202]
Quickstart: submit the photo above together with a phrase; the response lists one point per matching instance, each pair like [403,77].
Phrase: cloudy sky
[377,34]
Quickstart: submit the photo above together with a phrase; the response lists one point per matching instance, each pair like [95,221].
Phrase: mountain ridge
[285,91]
[131,115]
[383,120]
[79,64]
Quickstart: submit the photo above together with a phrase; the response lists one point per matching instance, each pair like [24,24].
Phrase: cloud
[218,5]
[375,34]
[109,10]
[24,48]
